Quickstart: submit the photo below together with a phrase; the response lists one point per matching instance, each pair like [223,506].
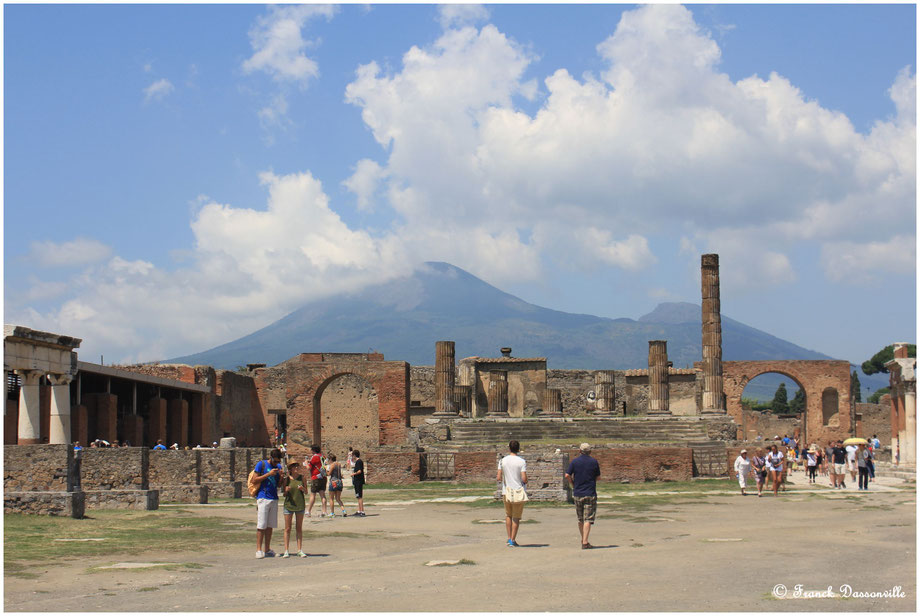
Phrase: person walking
[862,463]
[336,485]
[742,470]
[759,466]
[811,461]
[512,473]
[294,505]
[582,473]
[270,474]
[358,479]
[851,460]
[775,467]
[317,480]
[839,457]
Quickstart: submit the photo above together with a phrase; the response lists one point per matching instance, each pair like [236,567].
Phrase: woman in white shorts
[775,467]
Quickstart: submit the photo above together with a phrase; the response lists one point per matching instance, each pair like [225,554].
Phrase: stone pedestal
[498,393]
[713,402]
[604,393]
[658,395]
[444,374]
[552,403]
[29,429]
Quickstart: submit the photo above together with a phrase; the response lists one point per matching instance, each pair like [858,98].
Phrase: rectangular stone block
[183,494]
[141,500]
[224,489]
[68,504]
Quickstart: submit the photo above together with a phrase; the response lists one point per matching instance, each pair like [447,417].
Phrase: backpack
[322,467]
[251,482]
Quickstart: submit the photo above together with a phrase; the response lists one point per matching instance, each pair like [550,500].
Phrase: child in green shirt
[294,506]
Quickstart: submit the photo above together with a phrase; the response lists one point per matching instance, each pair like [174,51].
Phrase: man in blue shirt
[160,446]
[270,474]
[582,473]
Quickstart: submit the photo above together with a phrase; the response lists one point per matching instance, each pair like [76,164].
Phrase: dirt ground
[717,553]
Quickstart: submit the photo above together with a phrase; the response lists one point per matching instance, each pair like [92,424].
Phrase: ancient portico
[902,372]
[504,386]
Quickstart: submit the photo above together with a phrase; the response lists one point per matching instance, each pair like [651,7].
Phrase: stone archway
[814,377]
[346,414]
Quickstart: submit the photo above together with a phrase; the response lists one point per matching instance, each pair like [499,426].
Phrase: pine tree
[780,405]
[797,404]
[855,387]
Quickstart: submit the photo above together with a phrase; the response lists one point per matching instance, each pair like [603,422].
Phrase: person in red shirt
[316,465]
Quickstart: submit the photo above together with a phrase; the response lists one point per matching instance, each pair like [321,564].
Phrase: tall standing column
[552,402]
[658,395]
[909,446]
[498,393]
[444,372]
[59,428]
[604,393]
[29,407]
[713,393]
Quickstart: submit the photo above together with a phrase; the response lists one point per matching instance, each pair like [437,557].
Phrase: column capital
[29,377]
[60,379]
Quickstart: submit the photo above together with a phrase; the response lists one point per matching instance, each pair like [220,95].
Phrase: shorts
[359,489]
[840,469]
[267,513]
[318,485]
[585,508]
[514,510]
[287,512]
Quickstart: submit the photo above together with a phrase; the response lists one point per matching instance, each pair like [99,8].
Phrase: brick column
[177,422]
[713,392]
[59,431]
[156,428]
[79,424]
[658,396]
[133,430]
[552,402]
[498,393]
[444,374]
[197,416]
[604,393]
[29,429]
[106,417]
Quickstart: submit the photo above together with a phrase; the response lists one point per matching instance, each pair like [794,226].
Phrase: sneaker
[301,554]
[344,515]
[260,554]
[331,515]
[510,543]
[286,554]
[269,553]
[515,543]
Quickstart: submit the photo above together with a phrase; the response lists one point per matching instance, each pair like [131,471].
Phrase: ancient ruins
[415,423]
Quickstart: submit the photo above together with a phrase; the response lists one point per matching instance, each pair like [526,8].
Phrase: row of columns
[29,427]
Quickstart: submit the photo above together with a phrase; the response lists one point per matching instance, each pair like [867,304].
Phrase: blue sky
[178,176]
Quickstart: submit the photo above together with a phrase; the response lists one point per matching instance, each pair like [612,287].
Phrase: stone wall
[422,385]
[472,466]
[574,386]
[70,504]
[545,475]
[124,468]
[217,465]
[767,425]
[349,415]
[173,468]
[874,419]
[639,464]
[142,500]
[39,468]
[399,468]
[239,412]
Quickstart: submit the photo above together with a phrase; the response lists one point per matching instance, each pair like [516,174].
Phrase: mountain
[403,318]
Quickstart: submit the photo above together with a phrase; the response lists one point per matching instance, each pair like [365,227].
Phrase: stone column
[463,400]
[604,393]
[498,393]
[658,395]
[713,392]
[29,407]
[59,426]
[552,402]
[444,378]
[909,444]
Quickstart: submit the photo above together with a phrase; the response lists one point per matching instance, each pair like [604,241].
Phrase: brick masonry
[124,468]
[70,504]
[39,468]
[640,464]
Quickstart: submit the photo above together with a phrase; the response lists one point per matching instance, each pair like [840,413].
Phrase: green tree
[878,361]
[780,400]
[855,386]
[874,398]
[797,404]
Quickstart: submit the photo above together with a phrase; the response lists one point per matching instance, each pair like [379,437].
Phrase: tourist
[786,440]
[159,446]
[839,457]
[774,462]
[862,463]
[829,462]
[270,474]
[294,505]
[76,446]
[336,485]
[851,460]
[742,470]
[582,473]
[811,461]
[870,462]
[317,480]
[512,472]
[759,465]
[358,479]
[350,460]
[876,444]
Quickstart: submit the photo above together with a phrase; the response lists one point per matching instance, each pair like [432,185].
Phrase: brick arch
[813,377]
[298,383]
[318,407]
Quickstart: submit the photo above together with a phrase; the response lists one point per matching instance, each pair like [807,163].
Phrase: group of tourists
[581,474]
[834,460]
[315,476]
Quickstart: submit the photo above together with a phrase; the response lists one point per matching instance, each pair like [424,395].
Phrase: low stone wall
[184,494]
[545,475]
[70,504]
[39,468]
[114,469]
[224,489]
[216,465]
[173,468]
[399,468]
[143,500]
[639,464]
[472,466]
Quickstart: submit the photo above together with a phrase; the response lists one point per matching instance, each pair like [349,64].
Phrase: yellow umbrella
[856,441]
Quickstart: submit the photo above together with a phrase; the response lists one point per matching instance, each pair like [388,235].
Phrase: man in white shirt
[742,469]
[851,460]
[512,472]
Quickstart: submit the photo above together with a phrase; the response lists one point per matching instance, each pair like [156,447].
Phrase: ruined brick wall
[123,468]
[471,466]
[574,386]
[384,467]
[767,425]
[349,415]
[422,385]
[176,372]
[639,464]
[38,468]
[545,474]
[173,468]
[875,419]
[238,411]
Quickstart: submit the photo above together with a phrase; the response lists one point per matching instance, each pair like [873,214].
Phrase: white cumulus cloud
[77,252]
[158,90]
[859,262]
[279,47]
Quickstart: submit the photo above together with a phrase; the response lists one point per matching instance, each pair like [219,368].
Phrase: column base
[660,413]
[497,415]
[713,413]
[29,441]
